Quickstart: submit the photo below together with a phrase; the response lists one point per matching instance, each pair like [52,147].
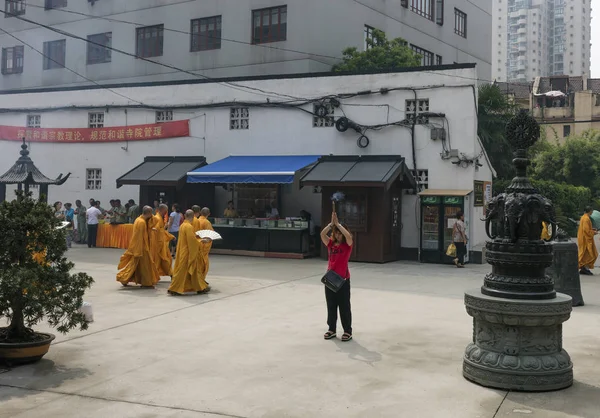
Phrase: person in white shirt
[93,214]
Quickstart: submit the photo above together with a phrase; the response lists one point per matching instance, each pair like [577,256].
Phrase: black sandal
[346,337]
[329,335]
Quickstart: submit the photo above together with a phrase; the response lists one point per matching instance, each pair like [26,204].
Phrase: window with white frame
[164,116]
[96,120]
[415,110]
[323,115]
[239,118]
[34,121]
[93,179]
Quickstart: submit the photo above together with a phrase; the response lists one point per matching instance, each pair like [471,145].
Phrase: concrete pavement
[253,348]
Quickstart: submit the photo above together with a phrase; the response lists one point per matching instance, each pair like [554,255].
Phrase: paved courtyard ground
[254,348]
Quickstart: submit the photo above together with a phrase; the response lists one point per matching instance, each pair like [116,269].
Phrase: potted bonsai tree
[35,280]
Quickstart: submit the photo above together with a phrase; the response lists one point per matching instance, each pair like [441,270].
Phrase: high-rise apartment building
[222,38]
[533,38]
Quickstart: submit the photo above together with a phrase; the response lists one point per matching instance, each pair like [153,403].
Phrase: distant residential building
[540,38]
[225,38]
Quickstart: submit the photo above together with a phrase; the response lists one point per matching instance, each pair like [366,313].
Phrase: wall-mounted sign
[110,134]
[430,200]
[453,200]
[479,192]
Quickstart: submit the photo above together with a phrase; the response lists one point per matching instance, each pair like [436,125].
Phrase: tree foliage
[35,278]
[382,54]
[576,161]
[494,112]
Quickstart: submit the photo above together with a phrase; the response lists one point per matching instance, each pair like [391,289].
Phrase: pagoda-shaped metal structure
[24,174]
[517,314]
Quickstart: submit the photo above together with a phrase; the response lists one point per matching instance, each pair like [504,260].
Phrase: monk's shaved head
[147,210]
[189,215]
[196,209]
[205,212]
[163,206]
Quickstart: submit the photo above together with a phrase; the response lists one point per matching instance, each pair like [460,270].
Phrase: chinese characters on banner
[180,128]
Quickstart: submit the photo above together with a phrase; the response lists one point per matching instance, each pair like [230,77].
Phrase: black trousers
[92,234]
[340,300]
[461,251]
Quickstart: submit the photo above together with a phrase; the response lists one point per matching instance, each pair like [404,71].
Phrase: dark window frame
[368,34]
[51,61]
[18,56]
[460,23]
[427,57]
[203,39]
[566,131]
[145,50]
[277,35]
[97,54]
[439,12]
[14,8]
[54,4]
[438,59]
[424,8]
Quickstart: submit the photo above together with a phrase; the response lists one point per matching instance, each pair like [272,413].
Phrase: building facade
[427,117]
[223,38]
[540,38]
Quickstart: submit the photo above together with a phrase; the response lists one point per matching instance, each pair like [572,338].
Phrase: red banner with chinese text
[111,134]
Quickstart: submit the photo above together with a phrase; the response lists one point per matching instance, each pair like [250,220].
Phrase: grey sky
[596,38]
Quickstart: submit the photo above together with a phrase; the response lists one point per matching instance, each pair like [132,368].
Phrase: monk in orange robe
[203,225]
[136,264]
[585,241]
[159,242]
[187,273]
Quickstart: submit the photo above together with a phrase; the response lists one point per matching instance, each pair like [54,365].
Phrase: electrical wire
[225,83]
[71,70]
[65,10]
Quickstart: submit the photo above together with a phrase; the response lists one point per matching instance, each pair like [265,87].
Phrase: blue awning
[275,169]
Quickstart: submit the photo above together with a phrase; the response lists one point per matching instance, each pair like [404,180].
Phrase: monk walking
[585,241]
[203,225]
[188,273]
[159,242]
[136,264]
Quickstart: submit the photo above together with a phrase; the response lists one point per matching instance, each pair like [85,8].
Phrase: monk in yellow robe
[136,264]
[202,225]
[159,242]
[187,273]
[585,241]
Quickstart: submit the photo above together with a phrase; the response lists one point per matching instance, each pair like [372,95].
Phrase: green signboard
[453,200]
[431,200]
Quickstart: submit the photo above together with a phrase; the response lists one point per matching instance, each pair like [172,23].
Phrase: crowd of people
[150,252]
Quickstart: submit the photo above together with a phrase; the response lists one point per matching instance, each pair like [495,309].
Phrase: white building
[224,38]
[266,116]
[533,38]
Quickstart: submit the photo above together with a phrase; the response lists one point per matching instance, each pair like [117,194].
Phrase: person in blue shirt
[69,217]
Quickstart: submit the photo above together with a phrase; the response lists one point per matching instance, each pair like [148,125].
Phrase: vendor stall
[371,208]
[164,179]
[259,226]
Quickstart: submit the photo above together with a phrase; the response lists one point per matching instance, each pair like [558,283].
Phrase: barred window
[14,7]
[206,34]
[323,115]
[93,179]
[54,4]
[96,120]
[438,60]
[460,23]
[422,8]
[414,110]
[239,118]
[34,121]
[164,116]
[426,56]
[369,37]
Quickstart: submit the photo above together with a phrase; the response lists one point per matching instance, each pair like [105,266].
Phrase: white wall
[273,131]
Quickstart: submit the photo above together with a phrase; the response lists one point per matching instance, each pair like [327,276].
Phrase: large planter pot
[22,353]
